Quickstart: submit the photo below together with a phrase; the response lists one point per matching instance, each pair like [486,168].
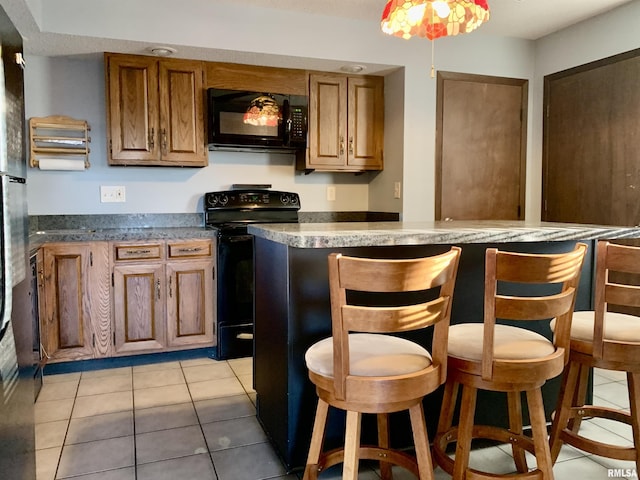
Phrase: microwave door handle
[287,132]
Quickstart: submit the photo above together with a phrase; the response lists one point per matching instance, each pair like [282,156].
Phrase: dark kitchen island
[292,307]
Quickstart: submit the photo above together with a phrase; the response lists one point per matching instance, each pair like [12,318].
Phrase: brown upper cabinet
[155,111]
[346,123]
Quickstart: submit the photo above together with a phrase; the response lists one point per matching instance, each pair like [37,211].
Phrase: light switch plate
[109,194]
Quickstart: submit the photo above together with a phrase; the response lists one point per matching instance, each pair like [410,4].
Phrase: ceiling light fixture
[352,68]
[433,18]
[162,51]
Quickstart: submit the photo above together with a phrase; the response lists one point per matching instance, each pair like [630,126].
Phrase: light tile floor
[195,420]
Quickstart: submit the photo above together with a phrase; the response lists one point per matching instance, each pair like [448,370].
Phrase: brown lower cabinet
[75,319]
[163,295]
[106,299]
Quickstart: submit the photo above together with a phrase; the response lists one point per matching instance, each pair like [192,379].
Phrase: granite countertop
[366,234]
[40,237]
[144,226]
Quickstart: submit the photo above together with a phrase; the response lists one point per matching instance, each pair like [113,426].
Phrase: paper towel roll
[60,164]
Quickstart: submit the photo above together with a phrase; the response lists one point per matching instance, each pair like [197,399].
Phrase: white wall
[55,86]
[51,89]
[75,88]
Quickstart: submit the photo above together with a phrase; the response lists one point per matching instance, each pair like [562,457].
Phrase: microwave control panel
[298,123]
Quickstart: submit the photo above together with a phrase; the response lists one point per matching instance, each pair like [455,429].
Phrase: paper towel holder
[59,136]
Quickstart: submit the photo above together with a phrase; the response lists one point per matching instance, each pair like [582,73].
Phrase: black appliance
[229,212]
[244,120]
[17,431]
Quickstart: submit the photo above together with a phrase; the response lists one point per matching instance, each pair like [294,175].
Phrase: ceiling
[527,19]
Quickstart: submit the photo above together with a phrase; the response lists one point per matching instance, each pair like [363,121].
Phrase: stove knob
[212,200]
[284,199]
[294,199]
[223,200]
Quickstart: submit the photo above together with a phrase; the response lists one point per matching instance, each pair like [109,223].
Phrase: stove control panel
[251,199]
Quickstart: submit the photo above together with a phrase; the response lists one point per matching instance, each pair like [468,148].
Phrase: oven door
[235,287]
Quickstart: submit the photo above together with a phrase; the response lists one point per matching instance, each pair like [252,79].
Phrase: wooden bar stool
[506,358]
[373,372]
[603,339]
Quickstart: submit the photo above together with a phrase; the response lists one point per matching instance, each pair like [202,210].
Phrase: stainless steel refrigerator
[17,387]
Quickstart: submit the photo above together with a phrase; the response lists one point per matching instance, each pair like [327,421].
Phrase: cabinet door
[75,323]
[132,106]
[365,123]
[190,304]
[181,113]
[327,121]
[139,299]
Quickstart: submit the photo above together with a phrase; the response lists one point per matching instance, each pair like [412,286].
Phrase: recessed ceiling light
[352,68]
[162,51]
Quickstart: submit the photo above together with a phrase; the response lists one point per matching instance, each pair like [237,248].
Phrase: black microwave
[245,120]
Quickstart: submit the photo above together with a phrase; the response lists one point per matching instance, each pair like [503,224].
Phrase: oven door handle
[237,238]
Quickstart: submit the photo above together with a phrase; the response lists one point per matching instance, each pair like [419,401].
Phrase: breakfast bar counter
[293,311]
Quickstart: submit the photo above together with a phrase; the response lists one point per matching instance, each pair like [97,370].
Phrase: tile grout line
[66,433]
[204,437]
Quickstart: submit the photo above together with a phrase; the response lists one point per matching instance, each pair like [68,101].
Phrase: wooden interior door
[481,137]
[591,172]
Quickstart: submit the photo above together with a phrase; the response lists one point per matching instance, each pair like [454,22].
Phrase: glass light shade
[433,18]
[263,111]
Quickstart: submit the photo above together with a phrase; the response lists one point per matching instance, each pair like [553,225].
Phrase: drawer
[190,249]
[138,251]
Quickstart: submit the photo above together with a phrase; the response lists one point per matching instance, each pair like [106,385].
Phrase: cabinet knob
[350,145]
[341,145]
[151,139]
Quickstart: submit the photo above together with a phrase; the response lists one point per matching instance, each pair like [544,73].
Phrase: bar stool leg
[563,409]
[351,446]
[465,431]
[539,432]
[383,442]
[580,396]
[515,426]
[633,383]
[448,406]
[421,442]
[317,439]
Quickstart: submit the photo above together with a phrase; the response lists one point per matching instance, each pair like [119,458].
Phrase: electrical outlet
[331,194]
[396,190]
[109,194]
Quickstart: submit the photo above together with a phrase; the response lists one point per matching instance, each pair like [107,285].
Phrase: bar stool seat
[510,343]
[502,357]
[363,368]
[608,340]
[370,355]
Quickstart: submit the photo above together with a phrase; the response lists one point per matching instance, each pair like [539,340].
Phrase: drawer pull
[189,250]
[137,252]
